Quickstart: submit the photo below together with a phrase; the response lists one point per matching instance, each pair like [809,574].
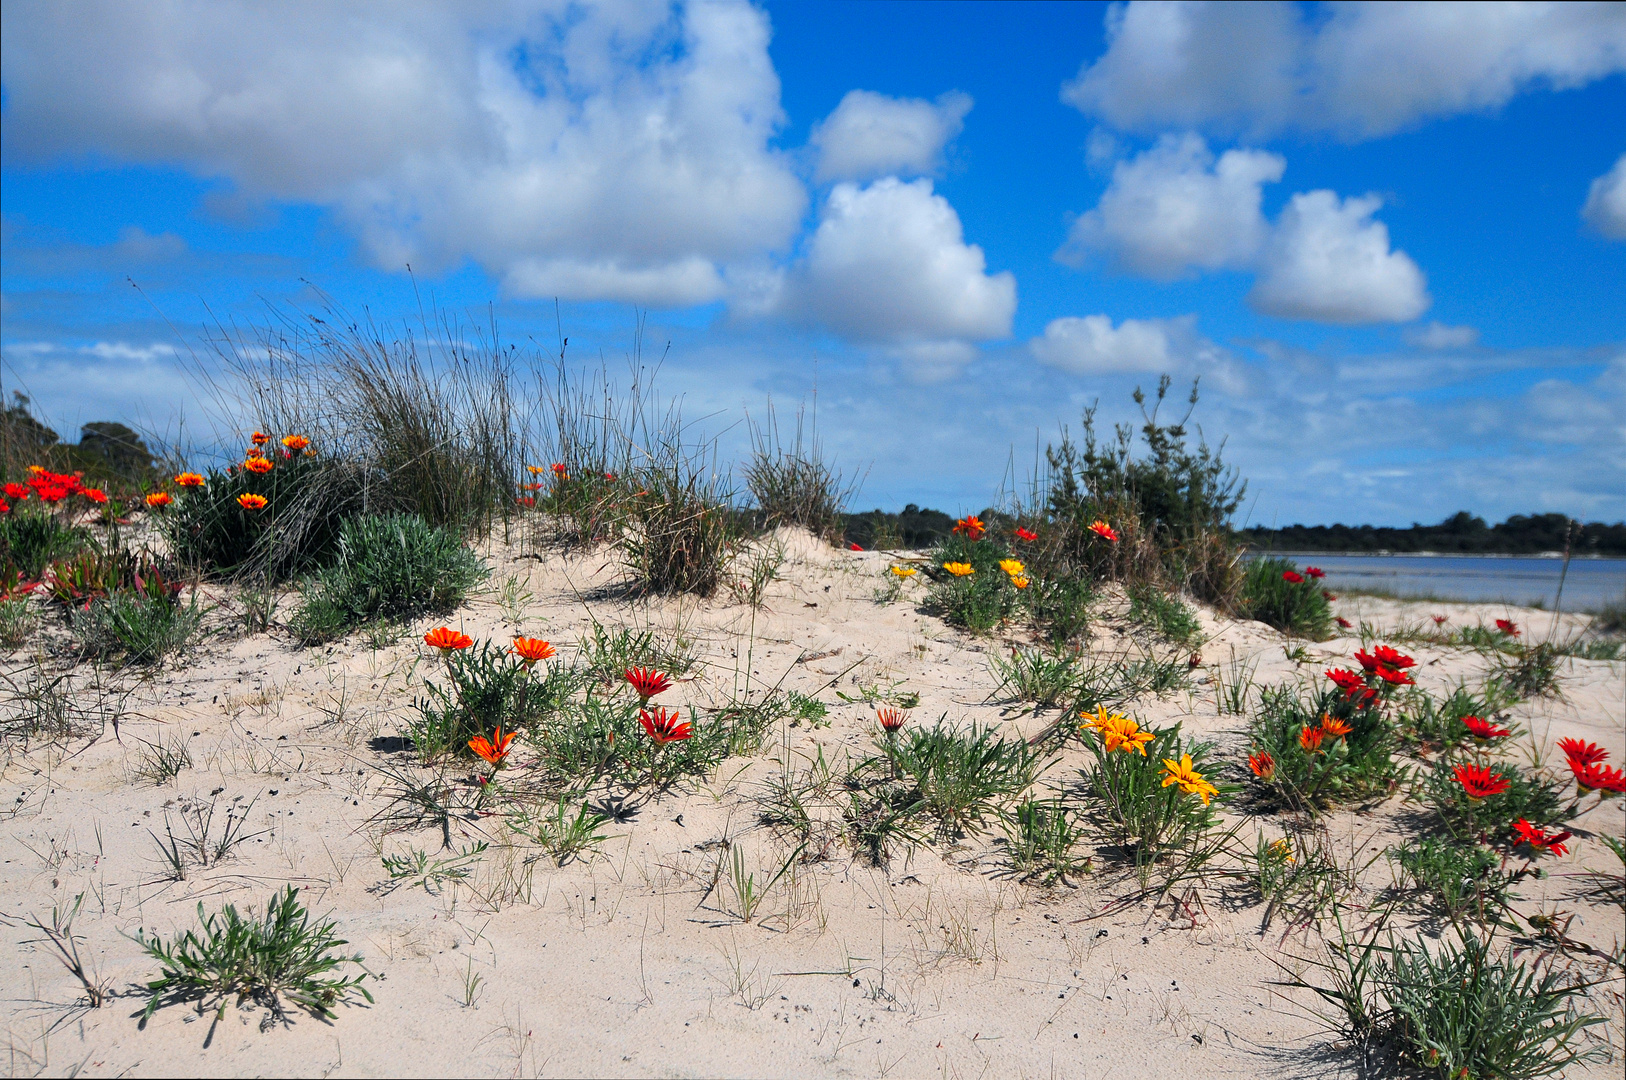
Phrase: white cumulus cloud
[1174,208]
[1327,260]
[616,151]
[871,135]
[1605,208]
[1438,335]
[888,264]
[1356,70]
[1092,345]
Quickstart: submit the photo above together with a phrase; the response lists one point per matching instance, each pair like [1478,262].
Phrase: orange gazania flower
[663,725]
[1331,725]
[446,639]
[971,526]
[530,650]
[526,501]
[535,470]
[1262,764]
[1104,531]
[647,682]
[158,499]
[959,569]
[295,442]
[95,495]
[258,465]
[1310,739]
[1025,536]
[1020,582]
[253,452]
[251,502]
[189,479]
[1122,733]
[494,749]
[259,438]
[1479,782]
[891,719]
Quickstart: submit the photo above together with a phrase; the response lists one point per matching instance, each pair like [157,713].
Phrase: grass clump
[793,484]
[395,566]
[958,778]
[1457,879]
[141,626]
[1462,1009]
[1041,837]
[1163,614]
[30,541]
[681,533]
[1275,593]
[282,955]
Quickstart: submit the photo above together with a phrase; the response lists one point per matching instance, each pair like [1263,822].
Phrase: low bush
[280,955]
[1277,594]
[681,533]
[1148,790]
[486,688]
[1311,751]
[1460,1010]
[387,567]
[793,484]
[975,582]
[30,540]
[1061,607]
[143,627]
[1457,879]
[956,778]
[1477,797]
[1041,837]
[1165,615]
[1429,726]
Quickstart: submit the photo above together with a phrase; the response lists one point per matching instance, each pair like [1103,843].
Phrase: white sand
[939,964]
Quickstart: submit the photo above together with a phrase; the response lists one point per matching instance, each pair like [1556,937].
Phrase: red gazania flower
[1484,730]
[95,495]
[494,749]
[1480,782]
[19,492]
[1366,660]
[647,682]
[1599,778]
[1327,596]
[663,725]
[1262,764]
[1392,658]
[1511,629]
[559,470]
[1345,679]
[530,650]
[855,547]
[1292,577]
[1540,840]
[530,487]
[971,526]
[5,507]
[1345,623]
[891,719]
[251,502]
[526,501]
[1104,531]
[1439,620]
[1025,536]
[51,493]
[1334,726]
[1395,678]
[1584,754]
[1310,738]
[446,639]
[1315,572]
[159,499]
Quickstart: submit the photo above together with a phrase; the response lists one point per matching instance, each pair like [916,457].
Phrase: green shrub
[1459,879]
[264,959]
[958,778]
[1165,615]
[1040,836]
[486,687]
[143,627]
[1338,768]
[980,600]
[31,540]
[1428,726]
[1528,795]
[1153,820]
[1296,608]
[18,622]
[307,498]
[390,567]
[1060,606]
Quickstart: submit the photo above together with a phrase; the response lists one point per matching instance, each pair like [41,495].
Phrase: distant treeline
[1461,532]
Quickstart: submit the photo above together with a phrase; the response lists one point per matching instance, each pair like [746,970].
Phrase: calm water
[1591,583]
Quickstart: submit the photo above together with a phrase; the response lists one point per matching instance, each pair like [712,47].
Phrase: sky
[1389,241]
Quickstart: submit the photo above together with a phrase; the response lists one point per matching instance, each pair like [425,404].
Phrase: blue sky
[1391,240]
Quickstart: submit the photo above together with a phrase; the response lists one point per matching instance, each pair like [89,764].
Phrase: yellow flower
[1012,567]
[1283,848]
[1190,780]
[1020,582]
[904,571]
[1122,733]
[959,569]
[1098,719]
